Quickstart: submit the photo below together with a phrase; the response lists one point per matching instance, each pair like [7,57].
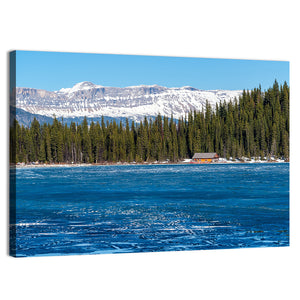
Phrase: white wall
[218,29]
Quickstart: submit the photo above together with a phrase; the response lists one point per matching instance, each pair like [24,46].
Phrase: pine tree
[86,143]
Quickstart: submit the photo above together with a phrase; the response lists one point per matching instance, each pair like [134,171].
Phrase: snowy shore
[185,161]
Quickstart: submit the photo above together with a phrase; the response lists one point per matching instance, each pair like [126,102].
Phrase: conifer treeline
[256,124]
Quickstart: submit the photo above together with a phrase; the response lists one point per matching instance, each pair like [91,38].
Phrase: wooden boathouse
[204,158]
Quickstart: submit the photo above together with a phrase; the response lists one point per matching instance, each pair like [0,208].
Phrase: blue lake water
[117,209]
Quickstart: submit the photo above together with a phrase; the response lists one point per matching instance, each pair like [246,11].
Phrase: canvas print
[130,153]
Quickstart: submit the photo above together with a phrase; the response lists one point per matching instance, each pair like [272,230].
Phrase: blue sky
[55,70]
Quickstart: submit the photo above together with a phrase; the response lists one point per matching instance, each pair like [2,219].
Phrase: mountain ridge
[86,99]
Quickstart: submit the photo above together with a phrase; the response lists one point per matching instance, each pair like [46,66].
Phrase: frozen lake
[117,209]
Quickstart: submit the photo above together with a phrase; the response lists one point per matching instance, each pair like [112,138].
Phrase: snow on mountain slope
[79,87]
[134,102]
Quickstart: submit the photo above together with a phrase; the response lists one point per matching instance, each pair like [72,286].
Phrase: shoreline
[64,165]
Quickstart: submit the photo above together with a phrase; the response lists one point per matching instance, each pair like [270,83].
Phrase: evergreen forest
[255,125]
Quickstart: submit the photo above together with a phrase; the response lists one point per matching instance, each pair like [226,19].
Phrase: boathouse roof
[205,155]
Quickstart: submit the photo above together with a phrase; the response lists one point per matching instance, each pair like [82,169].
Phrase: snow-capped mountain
[133,102]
